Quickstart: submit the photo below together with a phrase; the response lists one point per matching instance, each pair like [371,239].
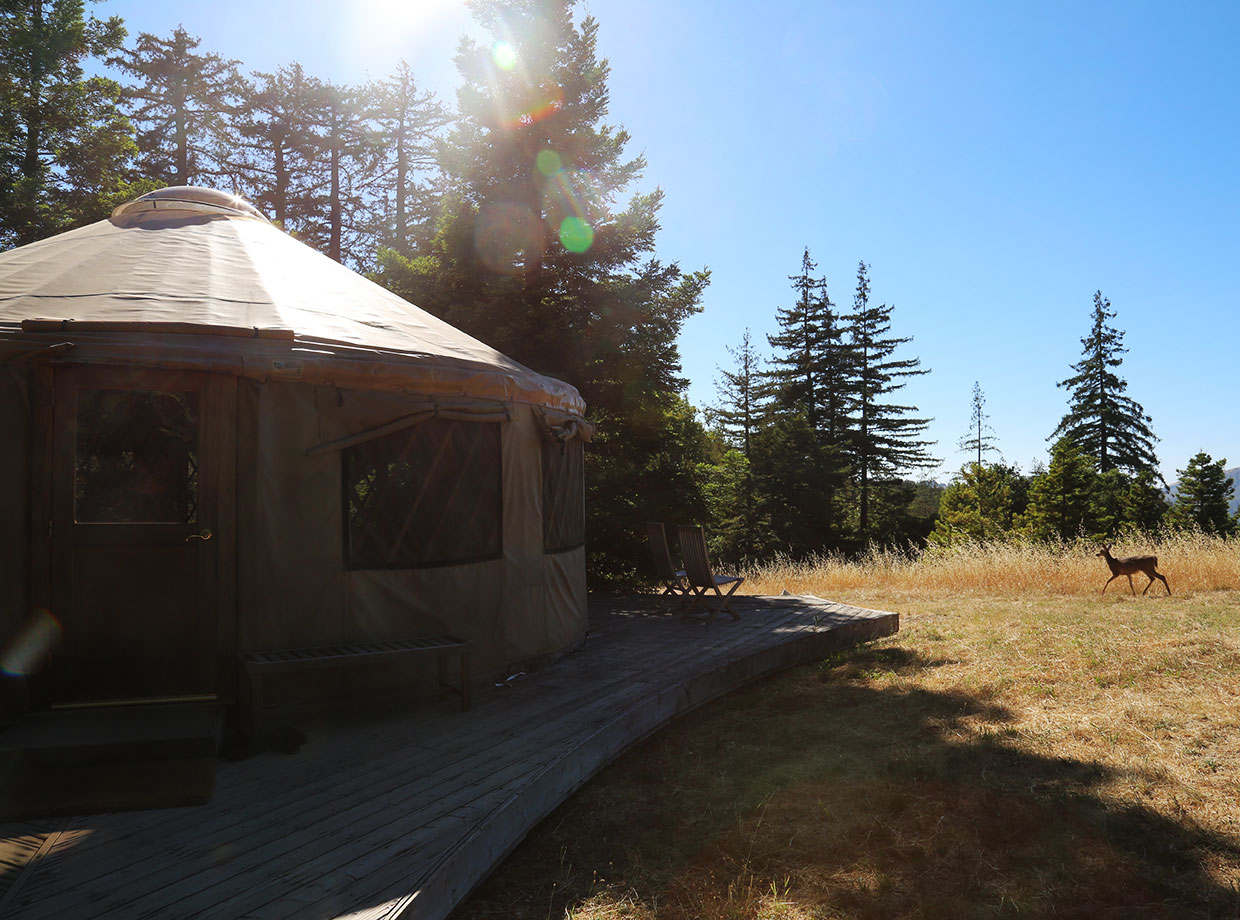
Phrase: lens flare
[504,55]
[522,107]
[548,162]
[576,234]
[507,235]
[546,101]
[25,652]
[573,207]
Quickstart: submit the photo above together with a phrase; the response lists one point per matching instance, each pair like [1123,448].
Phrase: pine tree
[180,105]
[980,441]
[738,532]
[1107,426]
[797,484]
[273,164]
[309,156]
[799,469]
[835,368]
[812,366]
[1203,497]
[1144,504]
[741,398]
[982,502]
[534,255]
[408,121]
[883,438]
[731,490]
[65,146]
[341,170]
[794,379]
[1062,498]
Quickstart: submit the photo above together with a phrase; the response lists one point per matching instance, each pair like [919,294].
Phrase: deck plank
[301,785]
[402,814]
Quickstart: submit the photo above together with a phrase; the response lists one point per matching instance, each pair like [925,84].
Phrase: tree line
[813,449]
[347,169]
[1102,478]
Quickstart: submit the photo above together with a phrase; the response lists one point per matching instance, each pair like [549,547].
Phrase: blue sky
[994,163]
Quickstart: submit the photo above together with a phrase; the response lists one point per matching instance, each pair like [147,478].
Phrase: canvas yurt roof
[198,279]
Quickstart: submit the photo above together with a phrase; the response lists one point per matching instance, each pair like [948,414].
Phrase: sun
[384,16]
[385,24]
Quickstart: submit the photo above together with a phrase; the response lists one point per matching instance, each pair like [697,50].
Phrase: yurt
[218,441]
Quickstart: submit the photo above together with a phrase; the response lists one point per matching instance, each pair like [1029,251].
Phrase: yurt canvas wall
[306,573]
[14,505]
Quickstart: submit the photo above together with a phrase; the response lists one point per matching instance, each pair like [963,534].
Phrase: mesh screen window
[428,495]
[564,496]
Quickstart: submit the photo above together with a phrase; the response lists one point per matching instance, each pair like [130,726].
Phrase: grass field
[1024,747]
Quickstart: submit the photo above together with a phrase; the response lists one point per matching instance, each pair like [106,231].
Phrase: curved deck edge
[469,862]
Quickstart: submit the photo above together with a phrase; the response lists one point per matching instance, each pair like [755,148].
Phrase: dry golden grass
[1024,747]
[1195,561]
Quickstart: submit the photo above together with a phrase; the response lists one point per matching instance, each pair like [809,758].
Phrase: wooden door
[135,534]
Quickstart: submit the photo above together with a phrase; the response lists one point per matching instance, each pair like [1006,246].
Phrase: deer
[1128,565]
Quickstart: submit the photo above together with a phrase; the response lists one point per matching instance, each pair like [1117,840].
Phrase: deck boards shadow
[402,814]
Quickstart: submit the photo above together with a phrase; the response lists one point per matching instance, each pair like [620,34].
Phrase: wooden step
[85,761]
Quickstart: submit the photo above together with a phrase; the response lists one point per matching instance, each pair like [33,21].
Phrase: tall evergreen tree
[836,368]
[799,467]
[731,488]
[980,439]
[739,533]
[408,121]
[797,486]
[180,103]
[309,155]
[741,398]
[1203,497]
[884,436]
[65,147]
[1110,428]
[534,255]
[812,365]
[342,171]
[794,378]
[274,162]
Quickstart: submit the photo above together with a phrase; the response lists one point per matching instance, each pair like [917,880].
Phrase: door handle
[204,535]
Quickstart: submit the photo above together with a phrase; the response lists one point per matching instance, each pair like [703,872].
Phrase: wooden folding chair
[674,583]
[701,578]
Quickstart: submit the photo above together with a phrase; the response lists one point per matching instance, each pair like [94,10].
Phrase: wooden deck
[402,815]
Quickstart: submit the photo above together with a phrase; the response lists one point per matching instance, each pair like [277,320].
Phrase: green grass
[1022,755]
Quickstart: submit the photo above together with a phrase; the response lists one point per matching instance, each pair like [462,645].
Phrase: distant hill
[1232,474]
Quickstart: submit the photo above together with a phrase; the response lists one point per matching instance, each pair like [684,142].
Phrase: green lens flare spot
[504,55]
[548,162]
[576,234]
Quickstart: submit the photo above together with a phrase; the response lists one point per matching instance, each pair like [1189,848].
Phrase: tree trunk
[333,245]
[402,177]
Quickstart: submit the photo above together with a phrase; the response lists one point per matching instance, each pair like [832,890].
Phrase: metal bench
[258,665]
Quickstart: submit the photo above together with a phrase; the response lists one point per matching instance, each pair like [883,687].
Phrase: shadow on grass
[816,793]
